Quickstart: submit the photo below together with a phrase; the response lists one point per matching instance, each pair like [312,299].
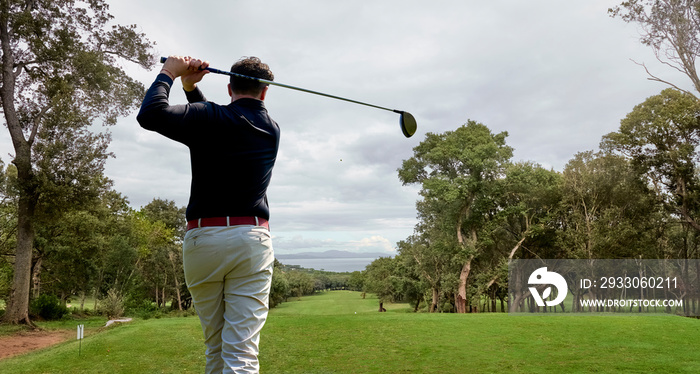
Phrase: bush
[76,311]
[279,289]
[112,305]
[146,309]
[184,313]
[48,307]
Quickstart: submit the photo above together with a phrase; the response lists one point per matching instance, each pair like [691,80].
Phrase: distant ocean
[337,265]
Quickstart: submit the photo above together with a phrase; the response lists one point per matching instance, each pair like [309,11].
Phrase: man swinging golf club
[227,252]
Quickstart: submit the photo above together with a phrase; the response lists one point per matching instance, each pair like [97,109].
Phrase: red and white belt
[227,221]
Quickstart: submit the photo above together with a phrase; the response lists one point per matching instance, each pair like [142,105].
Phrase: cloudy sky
[556,75]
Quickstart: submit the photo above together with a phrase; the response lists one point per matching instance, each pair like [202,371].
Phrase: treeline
[290,281]
[97,248]
[638,197]
[124,261]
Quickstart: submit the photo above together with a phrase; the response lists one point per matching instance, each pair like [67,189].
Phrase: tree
[524,225]
[608,212]
[300,283]
[671,28]
[429,254]
[458,171]
[661,137]
[280,286]
[170,214]
[381,281]
[528,207]
[118,256]
[67,254]
[356,281]
[167,260]
[60,73]
[411,288]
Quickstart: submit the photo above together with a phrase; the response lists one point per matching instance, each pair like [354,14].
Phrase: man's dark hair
[252,67]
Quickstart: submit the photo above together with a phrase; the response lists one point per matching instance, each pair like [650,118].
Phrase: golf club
[406,121]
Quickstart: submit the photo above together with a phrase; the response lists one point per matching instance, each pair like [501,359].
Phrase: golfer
[227,253]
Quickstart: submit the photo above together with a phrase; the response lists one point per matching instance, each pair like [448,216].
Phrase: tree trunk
[493,301]
[94,305]
[177,292]
[17,311]
[36,278]
[433,304]
[171,256]
[461,299]
[82,301]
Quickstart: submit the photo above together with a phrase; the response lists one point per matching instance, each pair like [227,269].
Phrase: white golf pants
[228,271]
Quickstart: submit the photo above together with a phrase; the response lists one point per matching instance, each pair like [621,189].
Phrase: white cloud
[375,243]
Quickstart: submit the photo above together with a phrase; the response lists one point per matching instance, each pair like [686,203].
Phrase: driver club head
[408,124]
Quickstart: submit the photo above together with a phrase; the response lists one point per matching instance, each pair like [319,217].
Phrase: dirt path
[27,341]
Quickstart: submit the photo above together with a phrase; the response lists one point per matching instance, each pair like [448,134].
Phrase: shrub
[182,313]
[112,305]
[48,307]
[279,289]
[144,309]
[76,311]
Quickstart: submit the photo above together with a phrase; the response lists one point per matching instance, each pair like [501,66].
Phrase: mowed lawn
[339,332]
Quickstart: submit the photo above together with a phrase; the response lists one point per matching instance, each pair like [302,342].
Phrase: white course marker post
[80,338]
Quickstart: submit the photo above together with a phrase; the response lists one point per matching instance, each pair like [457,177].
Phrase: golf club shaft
[217,71]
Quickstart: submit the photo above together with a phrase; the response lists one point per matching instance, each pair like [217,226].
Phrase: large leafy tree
[459,172]
[527,209]
[661,137]
[524,225]
[60,73]
[429,255]
[607,211]
[380,280]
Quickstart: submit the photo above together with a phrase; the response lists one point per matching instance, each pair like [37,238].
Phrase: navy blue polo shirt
[233,149]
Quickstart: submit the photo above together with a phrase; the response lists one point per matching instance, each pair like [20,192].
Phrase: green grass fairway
[339,332]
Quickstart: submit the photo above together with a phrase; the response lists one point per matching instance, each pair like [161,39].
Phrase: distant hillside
[329,254]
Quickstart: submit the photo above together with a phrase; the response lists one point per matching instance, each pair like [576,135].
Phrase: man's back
[233,149]
[232,164]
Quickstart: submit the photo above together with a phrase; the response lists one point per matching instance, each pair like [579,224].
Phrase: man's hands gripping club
[190,70]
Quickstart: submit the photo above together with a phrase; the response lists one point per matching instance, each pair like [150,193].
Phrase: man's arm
[158,115]
[195,95]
